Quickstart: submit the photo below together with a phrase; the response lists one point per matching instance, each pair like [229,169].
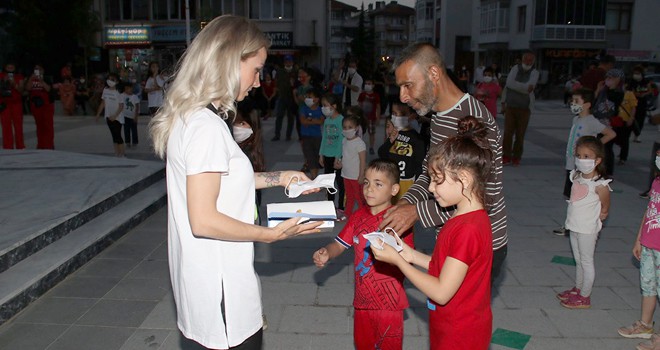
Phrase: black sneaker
[562,231]
[644,195]
[276,138]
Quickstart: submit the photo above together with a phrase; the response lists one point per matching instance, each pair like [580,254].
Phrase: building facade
[394,28]
[447,25]
[344,20]
[136,32]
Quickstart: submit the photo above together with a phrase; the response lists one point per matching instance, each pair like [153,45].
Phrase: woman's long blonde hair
[209,71]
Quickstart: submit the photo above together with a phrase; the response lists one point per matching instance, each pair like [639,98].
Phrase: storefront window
[271,9]
[112,10]
[570,12]
[160,9]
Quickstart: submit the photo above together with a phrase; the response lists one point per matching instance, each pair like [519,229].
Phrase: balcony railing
[552,32]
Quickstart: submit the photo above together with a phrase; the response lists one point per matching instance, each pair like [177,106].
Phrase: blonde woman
[211,188]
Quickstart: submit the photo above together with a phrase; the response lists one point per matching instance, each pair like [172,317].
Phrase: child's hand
[337,163]
[637,250]
[321,257]
[321,161]
[603,216]
[387,254]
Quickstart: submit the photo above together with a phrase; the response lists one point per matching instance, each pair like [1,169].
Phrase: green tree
[362,46]
[52,32]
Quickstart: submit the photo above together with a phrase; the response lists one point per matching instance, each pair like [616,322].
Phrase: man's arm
[512,84]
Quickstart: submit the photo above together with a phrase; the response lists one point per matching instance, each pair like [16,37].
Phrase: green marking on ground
[510,339]
[563,260]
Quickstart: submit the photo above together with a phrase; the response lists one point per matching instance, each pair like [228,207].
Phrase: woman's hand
[288,177]
[291,228]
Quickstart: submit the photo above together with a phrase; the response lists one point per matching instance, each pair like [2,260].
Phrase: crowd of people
[440,164]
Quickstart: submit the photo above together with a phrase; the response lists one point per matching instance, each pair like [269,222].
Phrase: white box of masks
[315,211]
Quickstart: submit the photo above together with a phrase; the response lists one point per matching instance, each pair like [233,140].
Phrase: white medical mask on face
[400,122]
[368,87]
[351,71]
[309,102]
[242,134]
[637,77]
[576,108]
[111,83]
[82,81]
[585,166]
[327,111]
[657,162]
[295,189]
[349,133]
[488,79]
[526,67]
[288,68]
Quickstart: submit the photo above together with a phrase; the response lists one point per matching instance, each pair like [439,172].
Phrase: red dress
[466,321]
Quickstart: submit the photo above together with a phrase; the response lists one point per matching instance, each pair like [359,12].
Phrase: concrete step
[36,241]
[30,278]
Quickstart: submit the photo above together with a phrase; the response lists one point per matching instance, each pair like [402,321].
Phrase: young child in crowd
[403,145]
[331,141]
[370,103]
[584,124]
[379,298]
[362,121]
[352,164]
[458,280]
[647,251]
[588,206]
[113,107]
[311,118]
[488,91]
[131,113]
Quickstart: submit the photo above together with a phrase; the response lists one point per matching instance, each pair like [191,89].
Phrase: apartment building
[139,31]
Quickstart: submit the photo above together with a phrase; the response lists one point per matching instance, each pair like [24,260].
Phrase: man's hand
[400,217]
[530,88]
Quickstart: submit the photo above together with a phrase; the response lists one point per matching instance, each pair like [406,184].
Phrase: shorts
[649,272]
[378,329]
[115,131]
[311,147]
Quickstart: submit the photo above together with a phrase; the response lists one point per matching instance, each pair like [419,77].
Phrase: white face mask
[368,87]
[576,108]
[111,83]
[637,77]
[351,71]
[657,162]
[295,189]
[350,133]
[327,111]
[526,67]
[242,134]
[82,81]
[309,102]
[288,68]
[585,166]
[488,79]
[400,122]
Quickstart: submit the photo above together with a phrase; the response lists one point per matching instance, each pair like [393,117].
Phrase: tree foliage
[362,46]
[51,32]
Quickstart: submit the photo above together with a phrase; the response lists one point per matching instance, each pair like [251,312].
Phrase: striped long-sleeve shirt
[444,125]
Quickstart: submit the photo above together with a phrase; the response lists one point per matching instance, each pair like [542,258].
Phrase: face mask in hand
[585,166]
[576,109]
[242,134]
[295,189]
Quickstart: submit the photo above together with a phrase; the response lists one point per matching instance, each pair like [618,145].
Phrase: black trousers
[328,165]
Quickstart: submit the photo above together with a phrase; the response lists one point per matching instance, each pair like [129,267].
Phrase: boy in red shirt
[379,298]
[370,103]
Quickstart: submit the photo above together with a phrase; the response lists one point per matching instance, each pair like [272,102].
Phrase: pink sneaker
[563,296]
[652,344]
[577,302]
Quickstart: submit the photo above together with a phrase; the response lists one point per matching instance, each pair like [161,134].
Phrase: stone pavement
[122,299]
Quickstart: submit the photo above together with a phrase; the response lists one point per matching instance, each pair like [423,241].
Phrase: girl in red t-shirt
[458,279]
[489,91]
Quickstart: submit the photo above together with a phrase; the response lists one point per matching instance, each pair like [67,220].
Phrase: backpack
[603,108]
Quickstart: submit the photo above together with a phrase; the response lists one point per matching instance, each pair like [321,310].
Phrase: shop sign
[280,40]
[170,34]
[127,36]
[631,55]
[571,53]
